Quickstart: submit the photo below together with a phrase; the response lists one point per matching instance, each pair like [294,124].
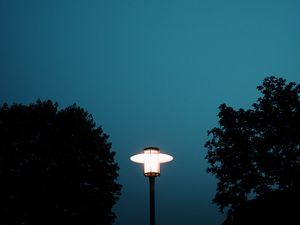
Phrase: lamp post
[151,158]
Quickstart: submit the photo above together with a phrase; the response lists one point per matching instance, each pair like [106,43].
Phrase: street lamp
[151,158]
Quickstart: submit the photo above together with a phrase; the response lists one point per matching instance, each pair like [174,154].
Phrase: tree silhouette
[276,207]
[56,167]
[257,151]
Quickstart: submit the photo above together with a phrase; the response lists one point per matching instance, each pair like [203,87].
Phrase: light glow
[151,158]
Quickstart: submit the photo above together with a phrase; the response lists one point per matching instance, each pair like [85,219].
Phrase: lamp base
[151,174]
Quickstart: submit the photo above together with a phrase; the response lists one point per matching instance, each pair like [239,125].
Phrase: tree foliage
[56,167]
[276,207]
[256,151]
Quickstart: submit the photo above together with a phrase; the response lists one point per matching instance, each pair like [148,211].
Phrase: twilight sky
[152,73]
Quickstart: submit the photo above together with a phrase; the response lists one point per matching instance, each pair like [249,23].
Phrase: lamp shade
[151,158]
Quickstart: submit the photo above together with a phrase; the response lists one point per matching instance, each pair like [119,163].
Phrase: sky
[151,73]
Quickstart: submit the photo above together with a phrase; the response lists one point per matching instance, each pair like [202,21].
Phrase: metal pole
[152,200]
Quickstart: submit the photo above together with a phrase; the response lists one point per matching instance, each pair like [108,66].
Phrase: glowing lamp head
[151,158]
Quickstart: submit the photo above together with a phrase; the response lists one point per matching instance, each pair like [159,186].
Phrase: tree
[256,151]
[56,167]
[276,207]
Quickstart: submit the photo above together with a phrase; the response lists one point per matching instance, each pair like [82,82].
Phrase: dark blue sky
[152,73]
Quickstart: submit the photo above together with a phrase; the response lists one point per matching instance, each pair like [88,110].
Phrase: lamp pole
[151,158]
[152,200]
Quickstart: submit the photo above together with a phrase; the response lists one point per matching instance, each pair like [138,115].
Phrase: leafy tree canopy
[256,151]
[56,167]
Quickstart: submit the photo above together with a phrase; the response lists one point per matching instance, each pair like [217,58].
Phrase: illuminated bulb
[151,158]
